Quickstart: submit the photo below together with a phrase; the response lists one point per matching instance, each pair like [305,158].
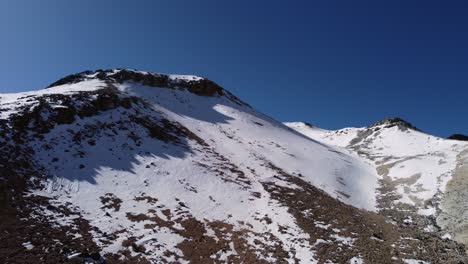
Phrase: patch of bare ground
[147,198]
[21,220]
[226,170]
[110,201]
[199,247]
[369,235]
[20,224]
[126,257]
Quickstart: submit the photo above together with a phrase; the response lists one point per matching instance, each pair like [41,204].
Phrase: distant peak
[300,124]
[459,137]
[394,121]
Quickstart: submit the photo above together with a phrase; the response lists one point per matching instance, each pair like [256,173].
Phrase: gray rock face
[454,209]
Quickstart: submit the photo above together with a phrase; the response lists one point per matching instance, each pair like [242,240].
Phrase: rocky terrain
[458,137]
[125,166]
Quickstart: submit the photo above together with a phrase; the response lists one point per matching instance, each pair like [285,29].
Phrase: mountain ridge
[194,84]
[121,170]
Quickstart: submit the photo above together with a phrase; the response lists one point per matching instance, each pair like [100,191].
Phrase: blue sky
[330,63]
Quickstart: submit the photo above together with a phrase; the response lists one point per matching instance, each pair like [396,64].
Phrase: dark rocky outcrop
[308,124]
[458,137]
[394,121]
[58,109]
[72,78]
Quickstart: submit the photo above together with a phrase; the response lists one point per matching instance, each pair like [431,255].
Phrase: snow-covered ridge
[414,168]
[89,81]
[127,75]
[400,153]
[194,84]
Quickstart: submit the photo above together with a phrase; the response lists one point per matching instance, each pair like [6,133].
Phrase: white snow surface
[415,261]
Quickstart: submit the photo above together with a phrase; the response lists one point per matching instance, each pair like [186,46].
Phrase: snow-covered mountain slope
[127,166]
[416,170]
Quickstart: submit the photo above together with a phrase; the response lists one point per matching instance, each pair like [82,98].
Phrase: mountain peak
[195,84]
[394,121]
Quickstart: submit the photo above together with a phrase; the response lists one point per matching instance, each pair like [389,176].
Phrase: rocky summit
[394,121]
[127,166]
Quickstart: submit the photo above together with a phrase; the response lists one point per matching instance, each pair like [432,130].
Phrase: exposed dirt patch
[147,198]
[21,224]
[110,201]
[199,247]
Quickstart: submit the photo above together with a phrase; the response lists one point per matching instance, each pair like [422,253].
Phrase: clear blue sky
[330,63]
